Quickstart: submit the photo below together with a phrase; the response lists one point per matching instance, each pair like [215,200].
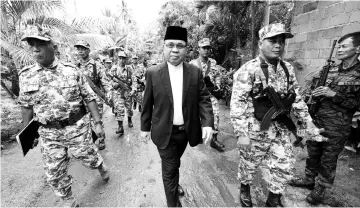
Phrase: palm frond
[19,9]
[21,56]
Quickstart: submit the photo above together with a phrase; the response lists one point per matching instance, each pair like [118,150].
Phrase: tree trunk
[252,8]
[14,97]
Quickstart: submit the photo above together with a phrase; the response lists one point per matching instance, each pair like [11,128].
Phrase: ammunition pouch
[73,118]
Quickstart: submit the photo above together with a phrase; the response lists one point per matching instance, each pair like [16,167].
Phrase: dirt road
[208,177]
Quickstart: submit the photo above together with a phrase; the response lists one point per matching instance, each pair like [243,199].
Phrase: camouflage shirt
[54,92]
[87,68]
[213,72]
[249,79]
[346,84]
[124,75]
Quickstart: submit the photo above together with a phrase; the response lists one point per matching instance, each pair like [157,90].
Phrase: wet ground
[208,177]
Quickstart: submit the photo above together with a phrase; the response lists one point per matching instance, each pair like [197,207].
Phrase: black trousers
[170,164]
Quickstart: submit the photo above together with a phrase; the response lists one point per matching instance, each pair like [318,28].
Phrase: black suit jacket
[158,108]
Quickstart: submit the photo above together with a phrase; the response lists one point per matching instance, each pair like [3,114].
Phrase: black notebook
[27,136]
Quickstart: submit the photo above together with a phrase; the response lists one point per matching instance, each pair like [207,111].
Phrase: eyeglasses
[178,46]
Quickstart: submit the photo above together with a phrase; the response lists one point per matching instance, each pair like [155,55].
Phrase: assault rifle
[123,84]
[98,91]
[314,105]
[280,111]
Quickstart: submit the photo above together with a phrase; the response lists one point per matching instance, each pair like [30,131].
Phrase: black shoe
[304,182]
[245,196]
[130,123]
[181,191]
[317,195]
[120,130]
[274,200]
[101,145]
[214,143]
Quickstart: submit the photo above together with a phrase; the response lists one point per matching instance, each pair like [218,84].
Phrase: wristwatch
[99,122]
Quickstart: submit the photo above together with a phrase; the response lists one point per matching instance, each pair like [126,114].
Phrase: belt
[73,118]
[179,127]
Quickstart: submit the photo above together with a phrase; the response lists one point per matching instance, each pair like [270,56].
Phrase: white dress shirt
[176,80]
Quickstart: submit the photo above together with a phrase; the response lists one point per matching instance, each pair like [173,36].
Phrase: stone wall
[315,25]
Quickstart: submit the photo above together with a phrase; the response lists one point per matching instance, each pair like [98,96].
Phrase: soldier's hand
[323,91]
[99,131]
[36,142]
[145,136]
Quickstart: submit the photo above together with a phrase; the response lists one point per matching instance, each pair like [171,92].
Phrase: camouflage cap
[272,30]
[107,60]
[82,43]
[134,56]
[204,42]
[37,32]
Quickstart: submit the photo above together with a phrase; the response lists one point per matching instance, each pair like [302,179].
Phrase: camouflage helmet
[121,54]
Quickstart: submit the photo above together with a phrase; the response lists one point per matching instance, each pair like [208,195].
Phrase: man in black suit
[176,109]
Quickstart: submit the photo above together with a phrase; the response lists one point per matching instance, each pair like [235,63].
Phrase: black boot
[245,196]
[305,182]
[214,143]
[120,130]
[317,195]
[140,108]
[130,124]
[274,200]
[134,105]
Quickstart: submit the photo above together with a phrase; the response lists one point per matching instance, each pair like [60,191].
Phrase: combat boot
[130,123]
[274,200]
[134,107]
[140,108]
[317,195]
[69,201]
[245,196]
[120,130]
[214,143]
[305,182]
[101,145]
[104,172]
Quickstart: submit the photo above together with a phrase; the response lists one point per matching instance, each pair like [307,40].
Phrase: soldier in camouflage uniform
[339,100]
[209,69]
[272,145]
[139,81]
[95,71]
[122,98]
[53,93]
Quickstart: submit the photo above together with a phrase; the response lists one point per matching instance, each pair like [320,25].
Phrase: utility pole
[267,13]
[252,12]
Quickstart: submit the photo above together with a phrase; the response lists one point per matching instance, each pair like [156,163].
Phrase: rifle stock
[314,105]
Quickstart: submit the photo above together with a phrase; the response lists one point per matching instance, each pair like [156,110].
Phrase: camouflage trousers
[275,148]
[138,97]
[120,104]
[322,159]
[58,145]
[216,111]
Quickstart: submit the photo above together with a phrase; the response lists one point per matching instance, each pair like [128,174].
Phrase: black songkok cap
[176,33]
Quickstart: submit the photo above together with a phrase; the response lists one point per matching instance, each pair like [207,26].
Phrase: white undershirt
[176,80]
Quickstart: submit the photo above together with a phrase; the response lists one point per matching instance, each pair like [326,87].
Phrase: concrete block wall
[315,25]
